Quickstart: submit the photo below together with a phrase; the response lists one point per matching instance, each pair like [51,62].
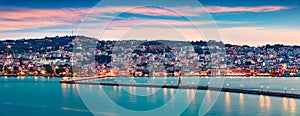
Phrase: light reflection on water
[293,105]
[37,96]
[268,103]
[241,100]
[172,91]
[227,104]
[285,103]
[262,101]
[227,100]
[276,84]
[57,97]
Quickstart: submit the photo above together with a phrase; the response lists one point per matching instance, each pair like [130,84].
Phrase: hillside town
[65,57]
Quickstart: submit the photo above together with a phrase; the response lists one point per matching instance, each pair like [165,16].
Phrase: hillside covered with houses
[52,56]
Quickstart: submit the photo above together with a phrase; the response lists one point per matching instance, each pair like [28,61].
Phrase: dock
[72,81]
[179,86]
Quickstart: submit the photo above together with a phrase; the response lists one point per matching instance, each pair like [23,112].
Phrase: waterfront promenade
[180,86]
[71,80]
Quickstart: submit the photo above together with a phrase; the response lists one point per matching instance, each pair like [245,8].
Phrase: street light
[227,85]
[285,90]
[268,88]
[292,90]
[262,88]
[241,86]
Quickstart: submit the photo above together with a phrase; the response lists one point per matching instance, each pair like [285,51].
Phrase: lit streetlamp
[292,90]
[262,88]
[227,85]
[285,90]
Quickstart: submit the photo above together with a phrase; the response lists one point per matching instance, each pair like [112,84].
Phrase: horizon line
[258,45]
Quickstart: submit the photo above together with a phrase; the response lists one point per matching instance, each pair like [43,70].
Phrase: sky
[242,22]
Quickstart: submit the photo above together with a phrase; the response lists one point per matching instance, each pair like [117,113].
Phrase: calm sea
[39,96]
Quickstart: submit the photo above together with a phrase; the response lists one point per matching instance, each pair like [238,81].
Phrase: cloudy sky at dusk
[253,22]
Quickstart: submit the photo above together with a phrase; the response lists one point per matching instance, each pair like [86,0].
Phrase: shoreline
[12,75]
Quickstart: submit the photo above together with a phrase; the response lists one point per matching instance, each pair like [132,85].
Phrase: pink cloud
[12,25]
[184,10]
[195,11]
[27,18]
[23,13]
[220,9]
[153,11]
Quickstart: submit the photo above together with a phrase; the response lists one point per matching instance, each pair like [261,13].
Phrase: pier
[72,81]
[180,86]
